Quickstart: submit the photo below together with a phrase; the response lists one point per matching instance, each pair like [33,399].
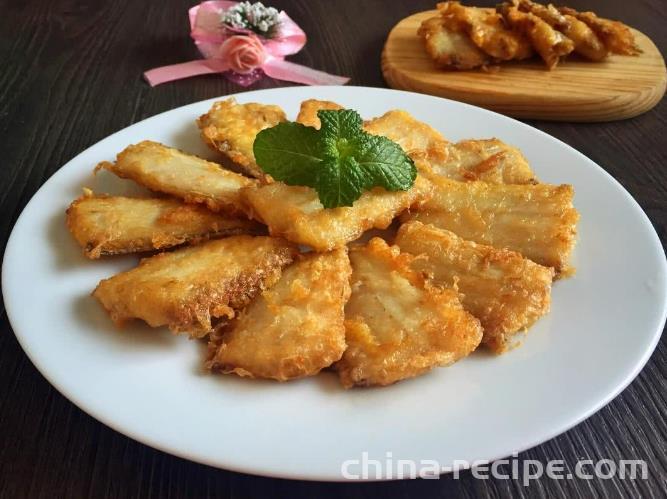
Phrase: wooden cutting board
[618,88]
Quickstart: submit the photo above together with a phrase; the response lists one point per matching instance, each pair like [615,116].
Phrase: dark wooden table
[71,75]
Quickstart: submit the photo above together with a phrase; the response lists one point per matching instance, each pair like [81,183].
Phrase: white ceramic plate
[148,384]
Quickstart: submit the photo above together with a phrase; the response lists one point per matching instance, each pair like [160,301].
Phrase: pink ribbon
[243,57]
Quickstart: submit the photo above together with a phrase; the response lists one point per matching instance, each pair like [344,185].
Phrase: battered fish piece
[486,29]
[195,180]
[187,288]
[397,325]
[586,42]
[616,36]
[550,44]
[414,136]
[230,128]
[504,290]
[113,225]
[450,47]
[488,160]
[309,108]
[538,221]
[294,329]
[295,212]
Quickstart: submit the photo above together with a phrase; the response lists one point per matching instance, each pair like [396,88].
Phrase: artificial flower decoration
[244,42]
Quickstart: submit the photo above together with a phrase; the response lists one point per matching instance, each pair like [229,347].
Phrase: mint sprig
[340,160]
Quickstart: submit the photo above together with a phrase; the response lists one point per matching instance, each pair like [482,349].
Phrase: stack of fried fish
[282,288]
[464,37]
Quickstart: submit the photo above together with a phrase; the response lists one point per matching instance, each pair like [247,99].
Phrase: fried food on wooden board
[486,29]
[113,225]
[586,42]
[504,290]
[397,325]
[295,328]
[187,288]
[615,35]
[550,44]
[449,45]
[295,212]
[309,108]
[539,221]
[165,169]
[230,128]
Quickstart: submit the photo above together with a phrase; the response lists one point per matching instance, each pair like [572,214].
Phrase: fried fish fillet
[295,212]
[616,36]
[414,136]
[488,160]
[165,169]
[230,128]
[549,43]
[449,46]
[538,221]
[504,290]
[586,42]
[397,325]
[309,108]
[188,287]
[294,329]
[112,225]
[486,29]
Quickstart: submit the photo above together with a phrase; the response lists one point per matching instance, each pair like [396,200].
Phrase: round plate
[148,384]
[577,90]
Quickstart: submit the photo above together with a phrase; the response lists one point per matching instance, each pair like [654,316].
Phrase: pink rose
[243,53]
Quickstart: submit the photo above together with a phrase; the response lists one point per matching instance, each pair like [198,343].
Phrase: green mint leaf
[290,152]
[340,161]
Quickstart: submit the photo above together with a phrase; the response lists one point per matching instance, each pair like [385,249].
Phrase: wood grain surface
[71,75]
[577,90]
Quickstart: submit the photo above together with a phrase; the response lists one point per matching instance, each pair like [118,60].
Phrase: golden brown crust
[449,45]
[230,128]
[616,36]
[504,290]
[188,287]
[414,136]
[165,169]
[486,29]
[309,108]
[487,160]
[549,43]
[295,212]
[539,221]
[397,326]
[113,225]
[295,328]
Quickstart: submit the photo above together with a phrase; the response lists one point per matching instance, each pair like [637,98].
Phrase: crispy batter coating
[449,45]
[504,290]
[488,160]
[412,135]
[113,225]
[397,325]
[295,212]
[294,329]
[616,36]
[551,44]
[538,221]
[309,108]
[230,128]
[188,287]
[486,29]
[165,169]
[586,42]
